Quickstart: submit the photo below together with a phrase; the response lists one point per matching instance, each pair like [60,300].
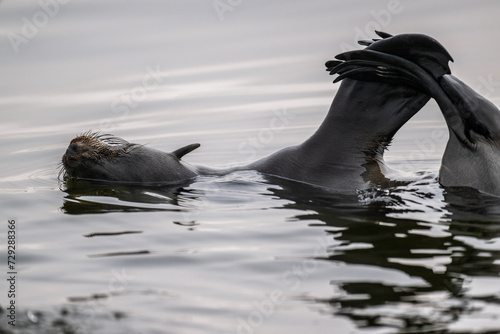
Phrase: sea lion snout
[71,150]
[84,148]
[70,157]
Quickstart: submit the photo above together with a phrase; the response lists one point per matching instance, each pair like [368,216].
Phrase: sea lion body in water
[344,154]
[472,154]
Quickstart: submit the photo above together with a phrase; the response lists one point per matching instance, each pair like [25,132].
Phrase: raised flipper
[369,65]
[417,48]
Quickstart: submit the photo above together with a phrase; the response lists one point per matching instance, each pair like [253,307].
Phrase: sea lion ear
[179,153]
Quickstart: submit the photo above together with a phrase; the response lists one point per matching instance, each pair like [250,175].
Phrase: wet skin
[472,154]
[344,154]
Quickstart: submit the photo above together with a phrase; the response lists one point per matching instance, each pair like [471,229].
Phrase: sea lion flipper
[179,153]
[383,34]
[368,42]
[365,42]
[365,65]
[332,64]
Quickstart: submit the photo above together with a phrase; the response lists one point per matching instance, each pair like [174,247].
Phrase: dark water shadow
[443,253]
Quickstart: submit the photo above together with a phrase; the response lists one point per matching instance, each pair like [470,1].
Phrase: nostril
[71,150]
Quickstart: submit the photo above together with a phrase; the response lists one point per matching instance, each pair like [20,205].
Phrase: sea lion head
[87,152]
[105,158]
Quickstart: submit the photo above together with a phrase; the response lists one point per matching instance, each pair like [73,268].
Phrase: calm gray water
[237,254]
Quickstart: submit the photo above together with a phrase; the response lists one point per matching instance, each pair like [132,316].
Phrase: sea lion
[472,154]
[344,154]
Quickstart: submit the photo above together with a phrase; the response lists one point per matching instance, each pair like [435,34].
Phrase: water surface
[240,253]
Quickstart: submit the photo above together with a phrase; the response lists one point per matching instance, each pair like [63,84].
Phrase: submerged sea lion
[472,154]
[345,153]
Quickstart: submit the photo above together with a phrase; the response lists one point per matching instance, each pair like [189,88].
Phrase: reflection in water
[84,198]
[140,252]
[423,244]
[101,234]
[370,235]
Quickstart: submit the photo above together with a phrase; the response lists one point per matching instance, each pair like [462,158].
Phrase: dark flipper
[420,49]
[179,153]
[383,34]
[369,65]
